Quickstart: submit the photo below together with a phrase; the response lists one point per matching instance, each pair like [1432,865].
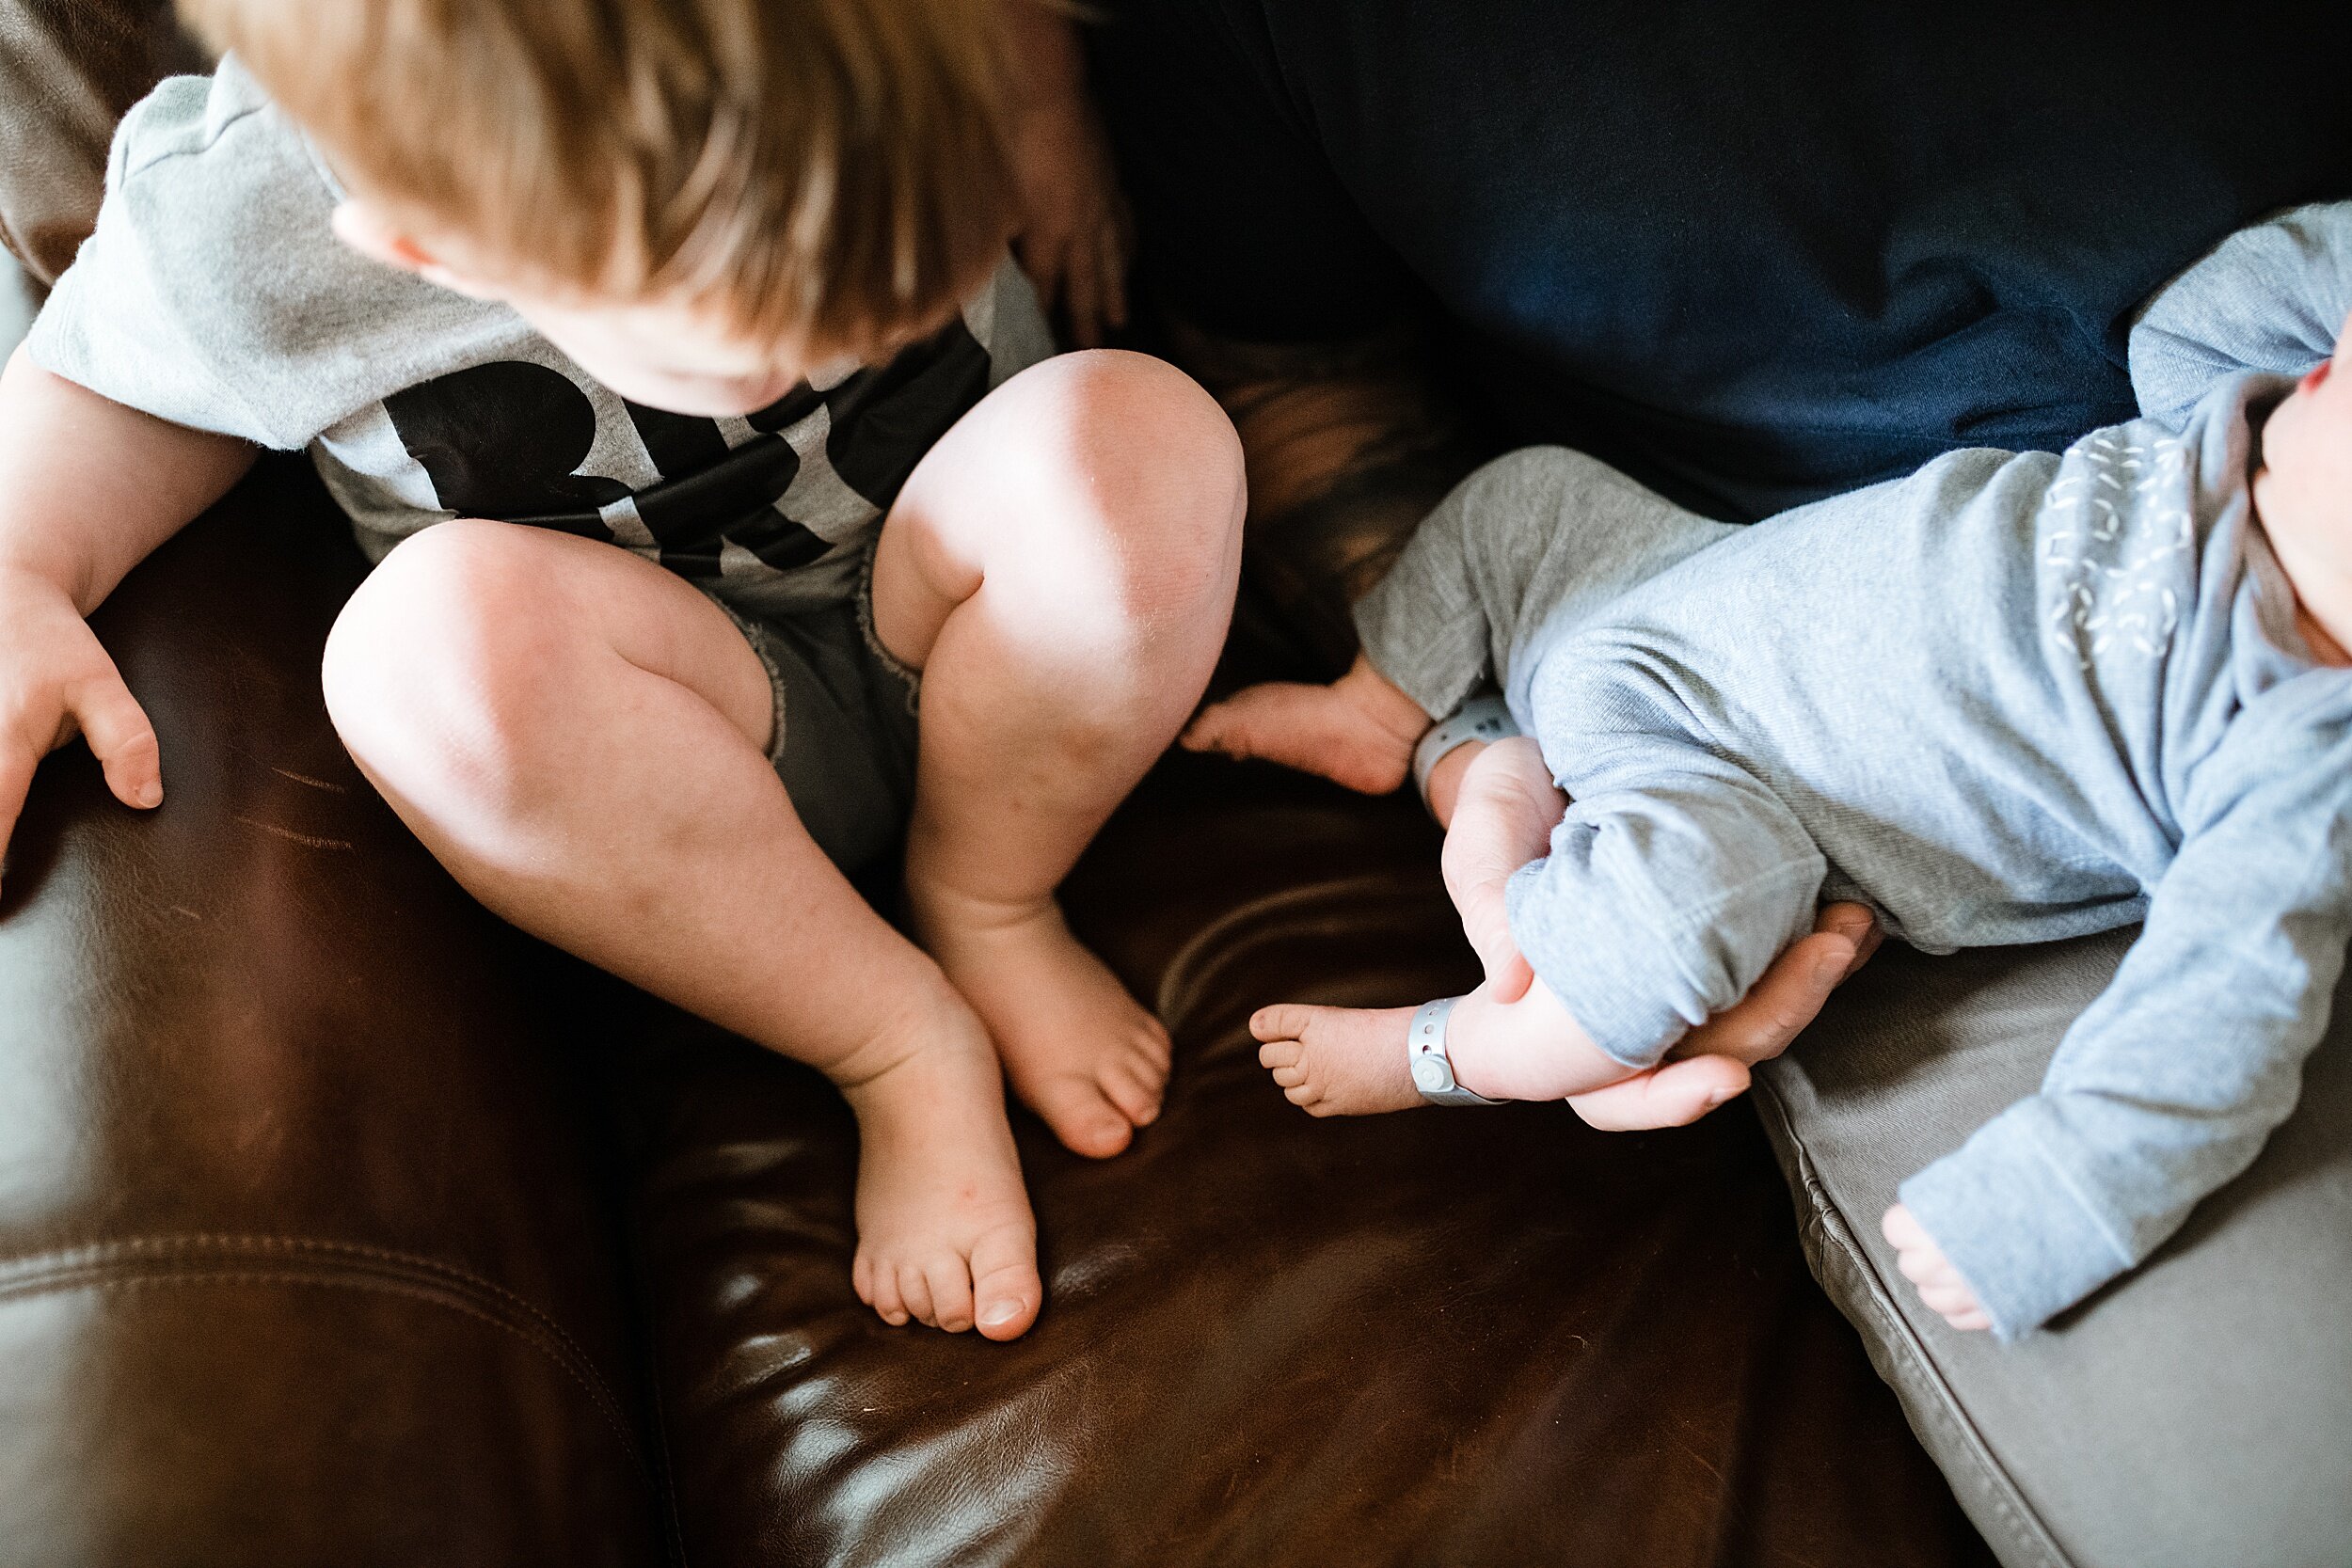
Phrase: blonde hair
[826,172]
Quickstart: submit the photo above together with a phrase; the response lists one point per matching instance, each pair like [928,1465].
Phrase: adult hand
[1076,235]
[1711,1063]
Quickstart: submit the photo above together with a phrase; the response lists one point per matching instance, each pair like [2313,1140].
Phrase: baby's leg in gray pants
[1527,548]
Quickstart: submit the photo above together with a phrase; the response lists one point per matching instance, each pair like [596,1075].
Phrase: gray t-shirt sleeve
[2271,298]
[2166,1086]
[213,293]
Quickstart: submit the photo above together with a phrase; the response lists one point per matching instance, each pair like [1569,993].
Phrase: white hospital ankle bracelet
[1487,718]
[1433,1070]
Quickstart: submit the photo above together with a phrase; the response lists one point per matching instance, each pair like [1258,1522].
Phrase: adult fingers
[1111,274]
[120,737]
[1674,1095]
[1040,258]
[1084,304]
[1791,994]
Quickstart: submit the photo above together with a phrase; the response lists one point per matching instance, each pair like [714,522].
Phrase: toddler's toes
[916,1291]
[888,1305]
[948,1280]
[1006,1288]
[861,1277]
[1290,1077]
[1136,1085]
[1279,1053]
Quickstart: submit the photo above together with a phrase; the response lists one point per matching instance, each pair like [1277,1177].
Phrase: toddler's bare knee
[1146,448]
[429,672]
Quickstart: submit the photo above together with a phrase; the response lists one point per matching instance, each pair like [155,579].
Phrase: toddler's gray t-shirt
[216,295]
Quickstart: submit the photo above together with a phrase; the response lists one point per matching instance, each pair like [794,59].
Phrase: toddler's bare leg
[580,737]
[1061,567]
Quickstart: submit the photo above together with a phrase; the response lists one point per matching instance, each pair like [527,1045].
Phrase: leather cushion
[1469,1337]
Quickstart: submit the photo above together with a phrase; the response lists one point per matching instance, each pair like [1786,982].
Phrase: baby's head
[2304,491]
[701,201]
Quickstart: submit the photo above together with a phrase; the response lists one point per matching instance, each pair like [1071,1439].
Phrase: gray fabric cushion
[2195,1413]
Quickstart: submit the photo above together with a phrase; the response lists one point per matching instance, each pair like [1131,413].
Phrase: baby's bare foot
[944,1232]
[1338,1061]
[1359,732]
[1080,1051]
[1351,1062]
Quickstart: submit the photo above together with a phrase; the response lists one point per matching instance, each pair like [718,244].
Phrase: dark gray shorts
[844,722]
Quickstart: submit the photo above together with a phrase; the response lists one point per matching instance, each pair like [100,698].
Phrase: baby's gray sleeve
[2271,298]
[1523,551]
[2166,1086]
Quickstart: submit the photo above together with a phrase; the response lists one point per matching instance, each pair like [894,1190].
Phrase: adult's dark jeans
[1755,253]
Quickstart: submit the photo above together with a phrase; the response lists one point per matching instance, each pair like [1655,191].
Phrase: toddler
[667,359]
[2014,697]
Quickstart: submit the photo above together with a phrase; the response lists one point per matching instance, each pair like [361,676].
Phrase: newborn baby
[2014,697]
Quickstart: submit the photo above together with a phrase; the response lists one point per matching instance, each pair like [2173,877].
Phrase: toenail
[1003,1312]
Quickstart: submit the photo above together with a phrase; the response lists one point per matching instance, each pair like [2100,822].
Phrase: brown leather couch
[338,1224]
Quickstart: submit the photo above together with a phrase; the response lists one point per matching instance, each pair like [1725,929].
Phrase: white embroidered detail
[2110,567]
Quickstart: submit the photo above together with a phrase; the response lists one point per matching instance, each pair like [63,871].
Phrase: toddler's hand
[56,682]
[1924,1264]
[1502,818]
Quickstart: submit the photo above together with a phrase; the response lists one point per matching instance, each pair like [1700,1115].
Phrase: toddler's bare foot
[1080,1051]
[1359,732]
[1351,1062]
[944,1232]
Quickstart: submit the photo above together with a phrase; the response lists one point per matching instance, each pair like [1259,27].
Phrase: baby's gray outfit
[2014,697]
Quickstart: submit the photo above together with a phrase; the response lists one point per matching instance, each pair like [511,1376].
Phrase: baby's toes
[1284,1021]
[1309,1097]
[1274,1056]
[1290,1077]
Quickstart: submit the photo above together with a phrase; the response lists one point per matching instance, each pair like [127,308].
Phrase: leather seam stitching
[95,1252]
[442,1286]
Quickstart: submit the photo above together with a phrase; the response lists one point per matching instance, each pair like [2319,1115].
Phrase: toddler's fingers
[1674,1095]
[1972,1322]
[121,738]
[17,763]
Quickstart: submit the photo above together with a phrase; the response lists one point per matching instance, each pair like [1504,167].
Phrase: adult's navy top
[1752,251]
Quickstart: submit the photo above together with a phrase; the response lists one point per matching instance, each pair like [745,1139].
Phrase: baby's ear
[366,230]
